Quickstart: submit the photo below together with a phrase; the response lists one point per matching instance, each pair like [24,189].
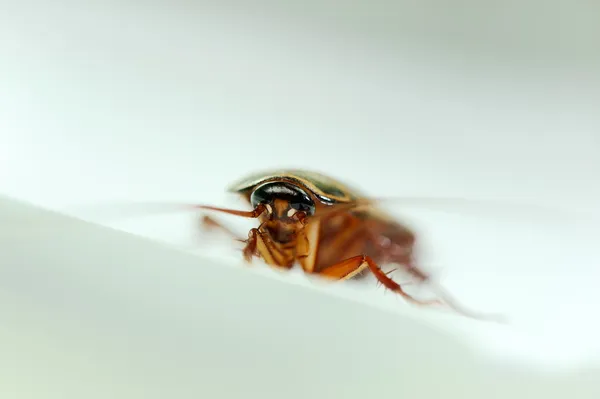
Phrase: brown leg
[446,298]
[401,255]
[392,271]
[251,245]
[352,266]
[423,277]
[246,214]
[250,248]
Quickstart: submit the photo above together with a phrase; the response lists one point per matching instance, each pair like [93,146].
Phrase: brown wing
[341,236]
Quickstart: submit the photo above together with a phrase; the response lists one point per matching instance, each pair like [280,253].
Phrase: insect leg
[350,267]
[345,269]
[422,277]
[250,249]
[247,214]
[251,245]
[399,254]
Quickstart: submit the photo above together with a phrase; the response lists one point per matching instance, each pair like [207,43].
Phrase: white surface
[173,102]
[90,312]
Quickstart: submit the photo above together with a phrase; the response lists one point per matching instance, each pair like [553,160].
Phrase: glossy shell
[327,189]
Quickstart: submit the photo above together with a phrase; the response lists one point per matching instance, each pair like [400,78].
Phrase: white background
[173,101]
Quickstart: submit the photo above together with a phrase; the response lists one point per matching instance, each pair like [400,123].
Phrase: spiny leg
[446,298]
[398,254]
[392,285]
[392,271]
[350,267]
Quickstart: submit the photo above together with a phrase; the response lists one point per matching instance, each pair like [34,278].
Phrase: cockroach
[329,229]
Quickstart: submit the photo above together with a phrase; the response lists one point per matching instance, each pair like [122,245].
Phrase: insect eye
[297,198]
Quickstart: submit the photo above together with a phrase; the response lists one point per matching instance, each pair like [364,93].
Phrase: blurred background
[172,101]
[494,99]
